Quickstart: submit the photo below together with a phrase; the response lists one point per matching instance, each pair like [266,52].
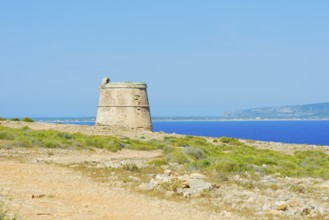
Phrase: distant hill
[310,111]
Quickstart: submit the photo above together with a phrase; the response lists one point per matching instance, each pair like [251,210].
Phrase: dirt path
[60,193]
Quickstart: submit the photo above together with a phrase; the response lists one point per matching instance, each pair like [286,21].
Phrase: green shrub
[158,163]
[113,146]
[229,165]
[169,139]
[190,141]
[65,135]
[50,143]
[27,120]
[2,119]
[232,141]
[95,141]
[7,135]
[22,142]
[177,156]
[194,152]
[131,167]
[201,164]
[139,145]
[157,144]
[14,119]
[3,212]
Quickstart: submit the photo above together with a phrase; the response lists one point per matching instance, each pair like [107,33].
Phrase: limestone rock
[168,172]
[197,176]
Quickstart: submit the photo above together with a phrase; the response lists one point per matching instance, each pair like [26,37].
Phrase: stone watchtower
[124,104]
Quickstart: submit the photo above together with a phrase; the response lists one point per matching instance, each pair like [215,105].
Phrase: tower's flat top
[125,85]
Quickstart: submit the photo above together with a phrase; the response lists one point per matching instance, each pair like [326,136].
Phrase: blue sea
[294,131]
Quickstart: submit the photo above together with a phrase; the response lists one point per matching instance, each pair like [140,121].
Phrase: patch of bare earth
[33,190]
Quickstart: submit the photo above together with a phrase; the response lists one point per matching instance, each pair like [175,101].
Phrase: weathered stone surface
[199,185]
[197,176]
[281,206]
[124,105]
[183,184]
[168,172]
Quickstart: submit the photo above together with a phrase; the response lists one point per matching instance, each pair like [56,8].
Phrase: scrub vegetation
[3,213]
[26,119]
[224,156]
[233,156]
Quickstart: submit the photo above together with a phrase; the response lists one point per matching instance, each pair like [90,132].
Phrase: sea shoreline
[177,119]
[158,135]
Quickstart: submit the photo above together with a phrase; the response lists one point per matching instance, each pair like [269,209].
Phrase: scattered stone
[134,178]
[38,196]
[197,176]
[42,213]
[282,207]
[187,194]
[199,185]
[185,184]
[309,211]
[168,172]
[162,178]
[182,185]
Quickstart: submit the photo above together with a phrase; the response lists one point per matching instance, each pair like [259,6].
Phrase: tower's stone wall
[124,105]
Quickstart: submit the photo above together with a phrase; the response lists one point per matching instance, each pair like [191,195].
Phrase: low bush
[14,119]
[178,156]
[131,167]
[233,141]
[7,135]
[158,163]
[3,212]
[140,145]
[236,157]
[229,165]
[27,119]
[22,142]
[196,153]
[2,119]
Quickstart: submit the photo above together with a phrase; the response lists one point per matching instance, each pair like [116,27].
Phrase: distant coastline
[178,119]
[317,111]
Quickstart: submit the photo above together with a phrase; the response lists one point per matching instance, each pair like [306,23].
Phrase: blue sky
[199,58]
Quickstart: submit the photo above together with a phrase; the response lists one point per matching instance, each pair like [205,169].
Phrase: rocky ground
[39,183]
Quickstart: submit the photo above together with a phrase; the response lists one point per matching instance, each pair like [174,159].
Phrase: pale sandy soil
[60,193]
